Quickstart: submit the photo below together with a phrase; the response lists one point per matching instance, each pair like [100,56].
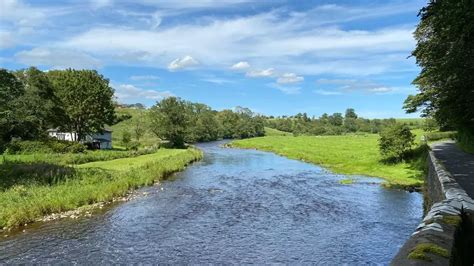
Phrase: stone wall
[445,235]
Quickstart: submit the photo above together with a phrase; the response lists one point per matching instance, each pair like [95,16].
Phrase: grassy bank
[73,158]
[31,191]
[347,154]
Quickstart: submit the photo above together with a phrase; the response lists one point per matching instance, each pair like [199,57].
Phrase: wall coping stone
[434,229]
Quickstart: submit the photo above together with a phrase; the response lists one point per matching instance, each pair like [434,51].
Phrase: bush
[46,146]
[395,141]
[433,136]
[465,139]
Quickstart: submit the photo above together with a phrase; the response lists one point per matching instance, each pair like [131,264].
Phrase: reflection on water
[236,205]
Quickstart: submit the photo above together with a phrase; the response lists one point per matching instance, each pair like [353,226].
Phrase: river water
[234,206]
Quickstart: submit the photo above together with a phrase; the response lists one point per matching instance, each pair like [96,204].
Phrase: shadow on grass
[16,174]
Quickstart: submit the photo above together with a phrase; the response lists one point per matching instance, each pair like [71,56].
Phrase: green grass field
[347,154]
[140,161]
[31,191]
[72,158]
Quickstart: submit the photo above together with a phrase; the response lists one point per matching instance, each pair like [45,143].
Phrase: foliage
[170,120]
[28,105]
[86,99]
[179,121]
[445,45]
[395,142]
[335,124]
[348,154]
[126,138]
[44,146]
[139,127]
[466,140]
[434,136]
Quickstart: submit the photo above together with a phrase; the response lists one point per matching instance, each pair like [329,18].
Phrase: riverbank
[347,154]
[45,188]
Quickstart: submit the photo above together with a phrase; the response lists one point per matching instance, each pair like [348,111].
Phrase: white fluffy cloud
[304,46]
[288,78]
[242,65]
[127,93]
[183,62]
[57,58]
[265,73]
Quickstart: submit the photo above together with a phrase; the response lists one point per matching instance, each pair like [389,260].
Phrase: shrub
[126,138]
[395,141]
[465,139]
[433,136]
[45,146]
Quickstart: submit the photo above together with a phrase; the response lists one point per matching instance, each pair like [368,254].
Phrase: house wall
[63,136]
[89,138]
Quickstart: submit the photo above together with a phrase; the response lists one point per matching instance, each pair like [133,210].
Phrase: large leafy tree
[170,120]
[87,100]
[38,107]
[11,89]
[445,53]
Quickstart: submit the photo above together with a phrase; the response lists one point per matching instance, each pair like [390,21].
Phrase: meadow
[346,154]
[29,191]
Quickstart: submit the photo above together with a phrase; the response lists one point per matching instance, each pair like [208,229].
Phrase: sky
[276,57]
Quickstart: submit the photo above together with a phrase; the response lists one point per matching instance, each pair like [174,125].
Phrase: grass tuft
[452,219]
[421,250]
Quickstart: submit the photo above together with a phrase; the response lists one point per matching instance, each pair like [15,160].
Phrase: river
[234,206]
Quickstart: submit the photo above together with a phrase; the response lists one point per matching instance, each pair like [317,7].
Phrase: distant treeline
[335,124]
[181,121]
[82,101]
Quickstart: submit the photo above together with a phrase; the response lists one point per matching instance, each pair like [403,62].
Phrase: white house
[97,140]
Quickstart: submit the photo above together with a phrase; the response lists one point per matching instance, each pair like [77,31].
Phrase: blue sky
[275,57]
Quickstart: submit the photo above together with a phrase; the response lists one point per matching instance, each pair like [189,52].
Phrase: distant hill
[137,115]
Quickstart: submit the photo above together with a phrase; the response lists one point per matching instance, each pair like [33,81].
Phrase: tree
[126,138]
[169,120]
[40,108]
[445,52]
[336,119]
[395,141]
[229,121]
[10,89]
[350,113]
[87,100]
[139,127]
[204,125]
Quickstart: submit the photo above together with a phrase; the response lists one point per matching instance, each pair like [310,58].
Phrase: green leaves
[86,98]
[445,53]
[395,141]
[179,121]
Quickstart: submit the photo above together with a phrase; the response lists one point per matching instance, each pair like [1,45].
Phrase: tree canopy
[180,121]
[445,53]
[86,98]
